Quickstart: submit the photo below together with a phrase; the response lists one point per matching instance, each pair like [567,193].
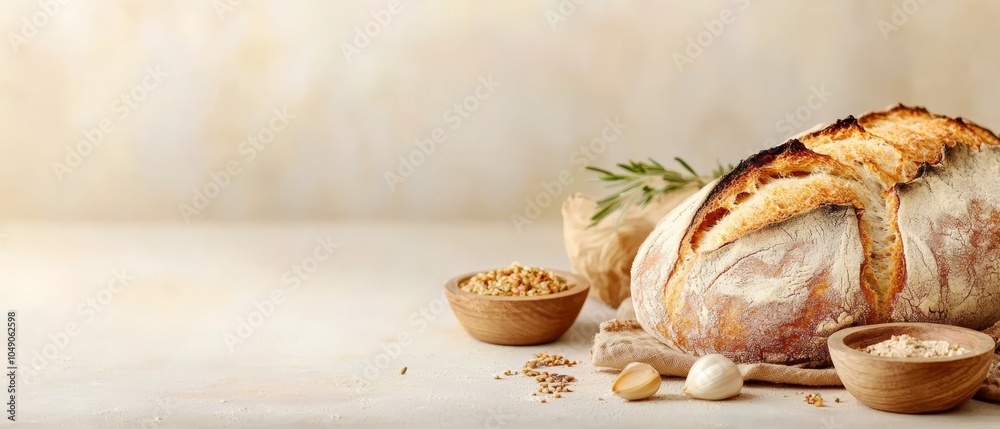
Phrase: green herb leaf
[643,182]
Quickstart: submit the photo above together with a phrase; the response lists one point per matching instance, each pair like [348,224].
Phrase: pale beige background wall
[563,70]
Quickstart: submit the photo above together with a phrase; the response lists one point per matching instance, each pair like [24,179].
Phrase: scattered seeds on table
[549,383]
[402,371]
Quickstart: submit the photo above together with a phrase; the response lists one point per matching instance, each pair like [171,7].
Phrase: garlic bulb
[713,377]
[637,381]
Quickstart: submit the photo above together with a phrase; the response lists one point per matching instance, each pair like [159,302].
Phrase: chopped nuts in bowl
[517,305]
[515,280]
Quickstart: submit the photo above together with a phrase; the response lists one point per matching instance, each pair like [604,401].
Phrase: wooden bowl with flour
[517,320]
[911,384]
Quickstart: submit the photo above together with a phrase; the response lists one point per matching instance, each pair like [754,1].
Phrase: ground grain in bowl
[907,346]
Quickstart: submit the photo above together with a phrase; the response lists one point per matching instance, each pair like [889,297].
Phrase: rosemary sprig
[642,182]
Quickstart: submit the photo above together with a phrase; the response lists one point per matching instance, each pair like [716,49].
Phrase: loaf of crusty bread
[893,216]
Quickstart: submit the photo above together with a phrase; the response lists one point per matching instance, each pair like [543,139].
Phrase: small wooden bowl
[911,385]
[517,320]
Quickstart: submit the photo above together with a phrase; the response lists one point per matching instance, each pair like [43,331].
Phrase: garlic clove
[637,381]
[713,377]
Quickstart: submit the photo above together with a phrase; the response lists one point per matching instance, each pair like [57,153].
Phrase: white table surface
[155,356]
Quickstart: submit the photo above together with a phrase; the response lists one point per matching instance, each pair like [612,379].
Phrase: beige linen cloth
[621,342]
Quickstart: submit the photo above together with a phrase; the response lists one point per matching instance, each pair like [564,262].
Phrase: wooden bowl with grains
[517,305]
[911,367]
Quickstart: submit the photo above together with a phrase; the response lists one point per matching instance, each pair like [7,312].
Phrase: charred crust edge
[971,124]
[947,152]
[921,110]
[758,160]
[902,107]
[848,124]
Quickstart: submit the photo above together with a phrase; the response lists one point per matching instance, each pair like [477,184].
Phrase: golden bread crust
[820,233]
